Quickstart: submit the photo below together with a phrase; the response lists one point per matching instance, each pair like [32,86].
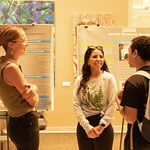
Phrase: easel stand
[121,133]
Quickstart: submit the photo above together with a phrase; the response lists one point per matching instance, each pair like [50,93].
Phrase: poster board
[38,63]
[115,42]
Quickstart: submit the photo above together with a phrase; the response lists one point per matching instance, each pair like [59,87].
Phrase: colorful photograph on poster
[123,51]
[26,12]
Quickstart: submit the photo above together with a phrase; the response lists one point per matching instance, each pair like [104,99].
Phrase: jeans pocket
[32,122]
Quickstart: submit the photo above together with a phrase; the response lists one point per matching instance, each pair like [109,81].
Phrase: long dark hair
[86,71]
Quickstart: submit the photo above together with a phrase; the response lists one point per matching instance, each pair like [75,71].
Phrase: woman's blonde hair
[9,34]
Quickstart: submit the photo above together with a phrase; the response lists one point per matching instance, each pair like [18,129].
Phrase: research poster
[115,42]
[37,65]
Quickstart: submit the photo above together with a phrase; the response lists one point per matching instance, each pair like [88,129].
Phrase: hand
[100,128]
[31,92]
[118,98]
[93,133]
[34,88]
[119,94]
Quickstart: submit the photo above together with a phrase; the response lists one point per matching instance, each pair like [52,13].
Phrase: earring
[12,52]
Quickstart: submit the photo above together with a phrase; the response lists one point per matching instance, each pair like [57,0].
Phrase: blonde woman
[17,95]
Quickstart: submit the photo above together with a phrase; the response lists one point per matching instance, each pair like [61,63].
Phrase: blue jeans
[24,131]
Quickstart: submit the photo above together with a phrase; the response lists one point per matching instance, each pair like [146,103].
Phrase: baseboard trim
[117,129]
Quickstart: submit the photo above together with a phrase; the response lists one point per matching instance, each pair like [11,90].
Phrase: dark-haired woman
[94,102]
[17,95]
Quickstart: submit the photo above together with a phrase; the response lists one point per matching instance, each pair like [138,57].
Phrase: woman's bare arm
[14,77]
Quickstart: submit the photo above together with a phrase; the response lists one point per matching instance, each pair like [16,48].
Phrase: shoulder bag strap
[147,75]
[143,73]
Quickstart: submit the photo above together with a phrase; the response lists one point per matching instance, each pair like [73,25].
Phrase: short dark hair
[142,45]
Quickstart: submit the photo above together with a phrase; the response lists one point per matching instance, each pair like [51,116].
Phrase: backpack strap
[143,73]
[147,111]
[131,137]
[147,75]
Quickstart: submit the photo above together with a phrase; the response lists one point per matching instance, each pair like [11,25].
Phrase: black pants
[103,142]
[24,131]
